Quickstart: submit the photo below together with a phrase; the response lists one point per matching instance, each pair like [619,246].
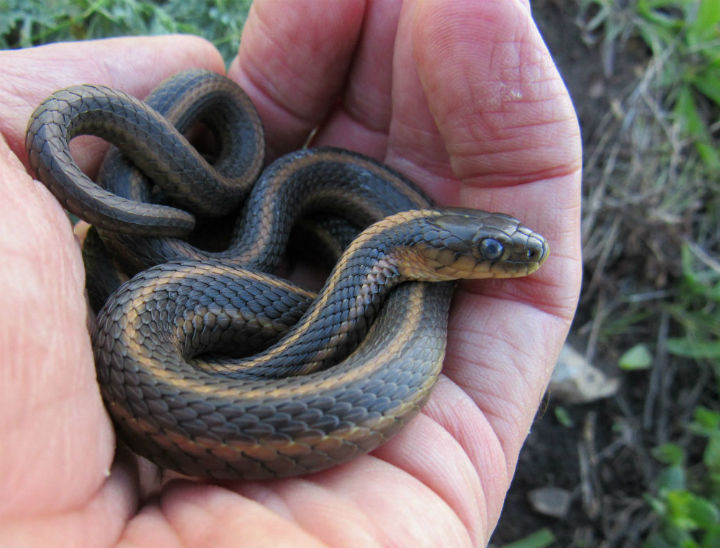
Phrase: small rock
[575,380]
[597,89]
[550,501]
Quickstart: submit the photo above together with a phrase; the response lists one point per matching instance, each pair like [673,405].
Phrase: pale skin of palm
[461,96]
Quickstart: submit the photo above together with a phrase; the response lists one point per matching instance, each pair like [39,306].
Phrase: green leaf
[539,539]
[705,421]
[685,107]
[658,540]
[689,512]
[705,283]
[708,83]
[703,28]
[711,536]
[687,111]
[671,478]
[696,349]
[711,455]
[658,506]
[679,502]
[637,357]
[657,14]
[563,417]
[669,453]
[657,34]
[676,536]
[702,512]
[708,153]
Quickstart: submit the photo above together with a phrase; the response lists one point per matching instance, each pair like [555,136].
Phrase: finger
[192,514]
[504,113]
[58,441]
[293,60]
[99,523]
[507,126]
[362,117]
[48,380]
[494,129]
[134,65]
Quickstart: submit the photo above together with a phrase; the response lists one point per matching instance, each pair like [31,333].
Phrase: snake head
[457,243]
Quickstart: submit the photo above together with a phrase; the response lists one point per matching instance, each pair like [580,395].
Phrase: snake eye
[491,249]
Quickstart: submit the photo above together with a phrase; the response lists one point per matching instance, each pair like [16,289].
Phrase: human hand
[460,96]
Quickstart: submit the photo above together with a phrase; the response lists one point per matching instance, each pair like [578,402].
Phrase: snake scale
[210,364]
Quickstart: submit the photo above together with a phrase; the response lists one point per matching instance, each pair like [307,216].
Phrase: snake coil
[208,363]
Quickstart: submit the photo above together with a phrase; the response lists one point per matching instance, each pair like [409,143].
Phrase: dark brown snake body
[181,349]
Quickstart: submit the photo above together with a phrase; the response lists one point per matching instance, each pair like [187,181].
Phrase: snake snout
[533,251]
[527,251]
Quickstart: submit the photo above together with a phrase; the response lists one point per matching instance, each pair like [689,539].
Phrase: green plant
[25,24]
[688,496]
[659,189]
[687,35]
[668,121]
[684,38]
[539,539]
[697,309]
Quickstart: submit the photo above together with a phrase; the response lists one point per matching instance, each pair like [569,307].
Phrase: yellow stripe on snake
[331,375]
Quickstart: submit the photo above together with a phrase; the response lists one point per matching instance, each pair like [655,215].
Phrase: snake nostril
[535,251]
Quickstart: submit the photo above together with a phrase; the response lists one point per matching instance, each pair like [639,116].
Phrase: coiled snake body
[345,369]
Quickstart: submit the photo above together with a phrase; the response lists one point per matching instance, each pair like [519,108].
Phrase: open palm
[460,96]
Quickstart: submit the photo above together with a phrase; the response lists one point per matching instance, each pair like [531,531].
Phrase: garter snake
[344,369]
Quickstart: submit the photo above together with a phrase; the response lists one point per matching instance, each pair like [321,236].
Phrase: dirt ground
[603,459]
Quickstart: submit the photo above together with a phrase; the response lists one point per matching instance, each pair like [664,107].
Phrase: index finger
[293,60]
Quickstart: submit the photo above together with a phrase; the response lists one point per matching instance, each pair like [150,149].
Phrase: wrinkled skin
[462,97]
